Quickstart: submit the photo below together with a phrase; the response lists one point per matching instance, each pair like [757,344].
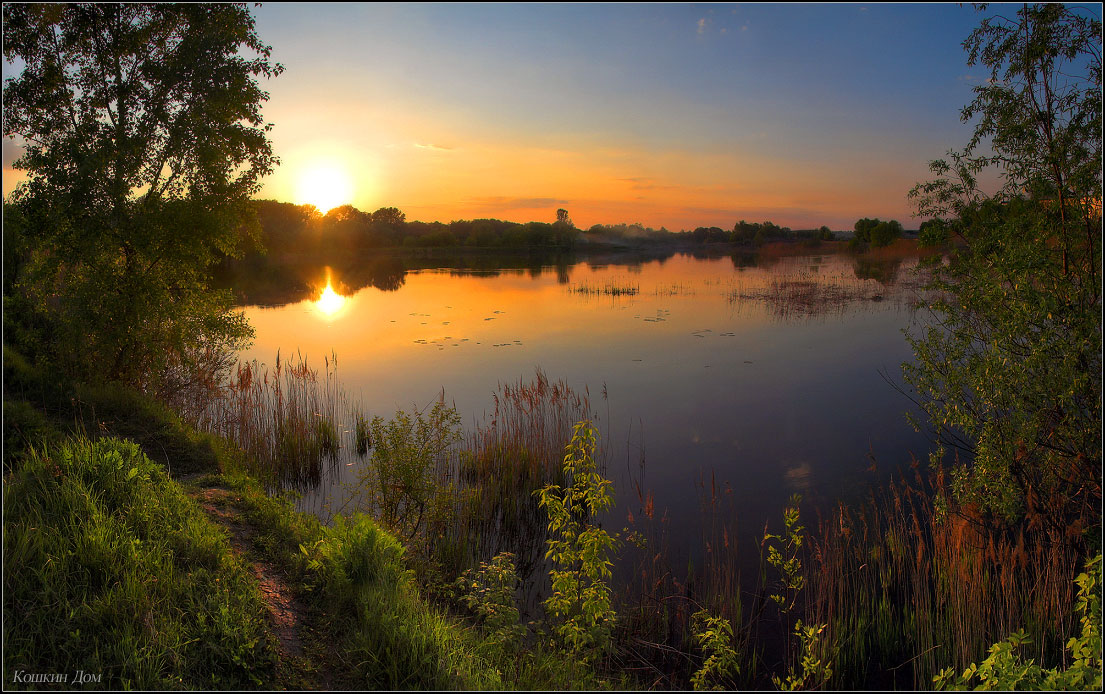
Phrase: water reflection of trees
[257,282]
[815,291]
[275,282]
[883,271]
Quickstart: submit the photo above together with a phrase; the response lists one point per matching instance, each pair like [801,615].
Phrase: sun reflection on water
[330,303]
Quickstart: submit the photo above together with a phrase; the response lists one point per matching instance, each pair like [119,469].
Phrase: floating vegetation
[679,289]
[805,293]
[612,287]
[661,316]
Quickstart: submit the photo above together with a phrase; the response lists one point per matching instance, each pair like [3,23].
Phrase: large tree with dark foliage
[143,143]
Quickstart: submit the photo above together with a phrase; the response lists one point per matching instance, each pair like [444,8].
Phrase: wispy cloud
[508,203]
[647,184]
[433,147]
[702,23]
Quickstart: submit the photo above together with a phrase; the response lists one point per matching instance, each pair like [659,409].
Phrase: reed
[488,505]
[802,293]
[909,583]
[288,419]
[663,595]
[612,287]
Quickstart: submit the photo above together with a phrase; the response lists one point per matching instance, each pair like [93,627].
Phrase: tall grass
[389,637]
[909,583]
[664,595]
[289,420]
[612,287]
[803,293]
[109,568]
[517,449]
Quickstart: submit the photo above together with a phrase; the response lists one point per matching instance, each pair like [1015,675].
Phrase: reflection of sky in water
[698,378]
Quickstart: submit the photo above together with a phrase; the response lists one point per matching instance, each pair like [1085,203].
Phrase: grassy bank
[113,569]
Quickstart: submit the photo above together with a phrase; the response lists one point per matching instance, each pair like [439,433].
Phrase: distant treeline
[300,229]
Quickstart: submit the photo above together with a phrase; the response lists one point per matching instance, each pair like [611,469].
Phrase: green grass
[371,624]
[163,435]
[38,407]
[110,569]
[24,426]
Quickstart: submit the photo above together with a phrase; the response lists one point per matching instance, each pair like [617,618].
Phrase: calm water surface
[766,375]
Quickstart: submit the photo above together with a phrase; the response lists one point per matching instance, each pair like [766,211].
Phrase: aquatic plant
[288,420]
[909,581]
[612,287]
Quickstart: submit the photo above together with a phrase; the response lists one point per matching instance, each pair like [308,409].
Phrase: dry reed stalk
[287,420]
[907,590]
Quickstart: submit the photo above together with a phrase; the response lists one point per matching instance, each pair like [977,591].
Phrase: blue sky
[827,99]
[667,114]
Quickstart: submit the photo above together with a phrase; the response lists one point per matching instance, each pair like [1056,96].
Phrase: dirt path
[287,615]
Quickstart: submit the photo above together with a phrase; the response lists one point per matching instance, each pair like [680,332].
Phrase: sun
[325,186]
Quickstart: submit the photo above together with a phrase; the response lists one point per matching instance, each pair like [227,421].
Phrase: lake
[765,373]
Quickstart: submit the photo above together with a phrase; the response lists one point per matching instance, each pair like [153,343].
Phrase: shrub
[400,481]
[580,600]
[715,636]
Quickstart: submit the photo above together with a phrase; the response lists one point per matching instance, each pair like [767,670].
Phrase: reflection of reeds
[613,287]
[905,592]
[286,419]
[679,289]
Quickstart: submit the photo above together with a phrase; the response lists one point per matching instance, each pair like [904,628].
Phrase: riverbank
[192,574]
[166,566]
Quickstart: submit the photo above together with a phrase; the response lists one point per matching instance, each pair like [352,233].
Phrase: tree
[1009,369]
[389,216]
[562,218]
[143,145]
[884,233]
[863,228]
[932,233]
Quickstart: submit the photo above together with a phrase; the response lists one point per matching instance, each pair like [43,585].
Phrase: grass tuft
[110,569]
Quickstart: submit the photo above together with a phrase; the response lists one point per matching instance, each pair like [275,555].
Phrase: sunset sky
[673,115]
